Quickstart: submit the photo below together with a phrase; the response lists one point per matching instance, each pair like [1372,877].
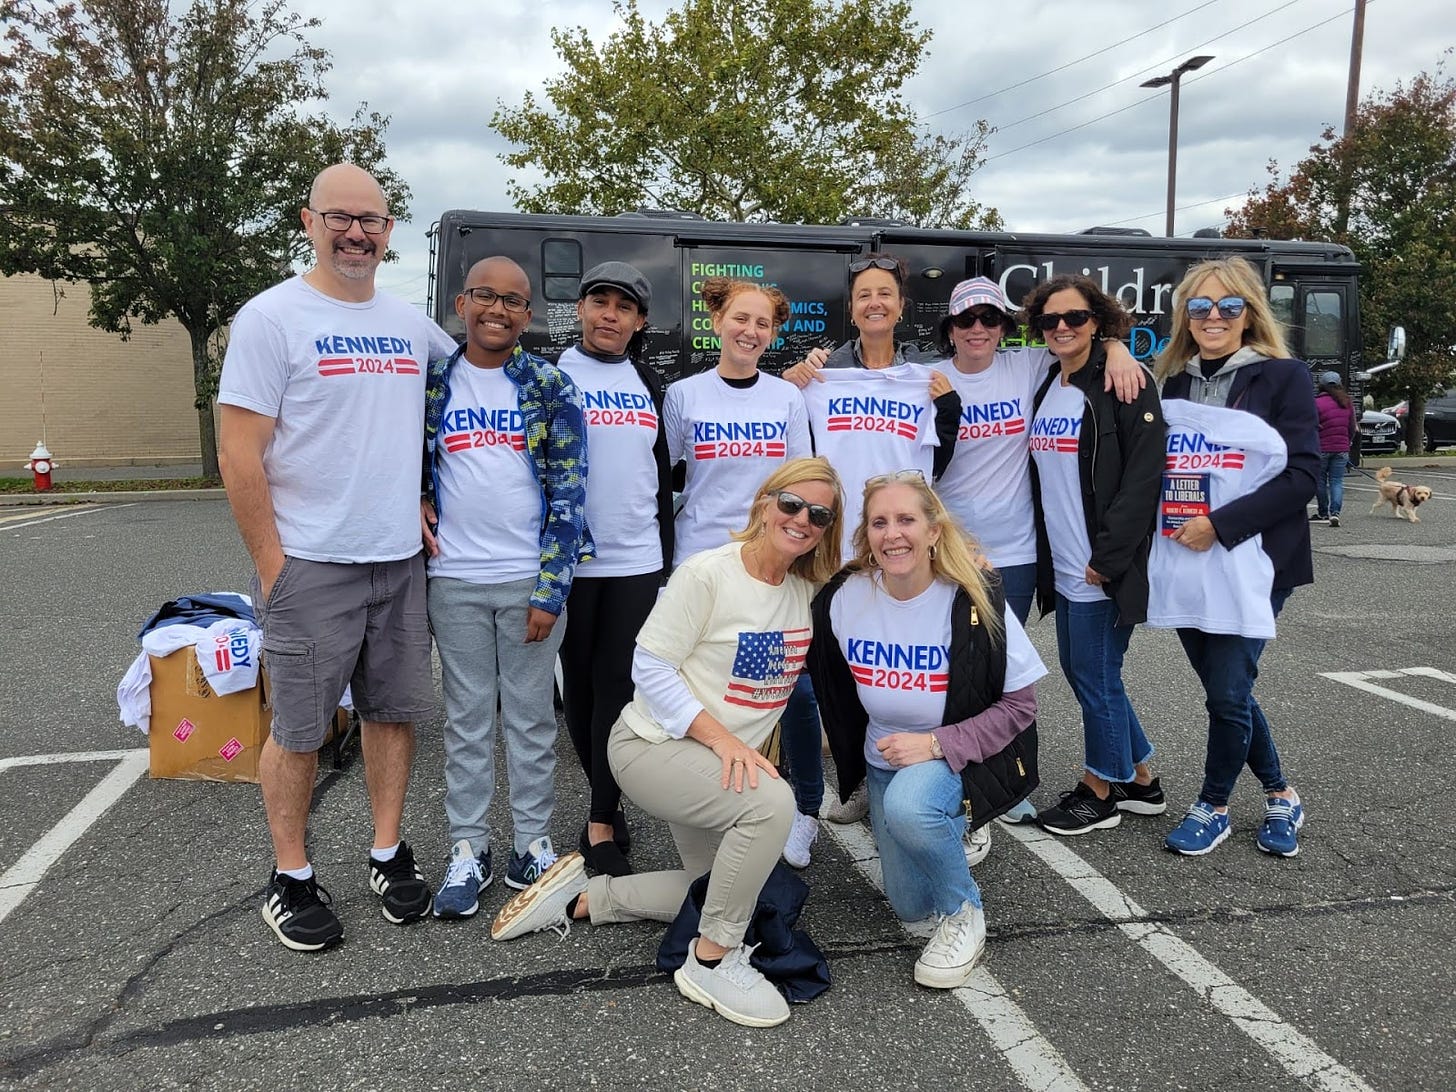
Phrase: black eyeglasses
[487,296]
[1230,307]
[342,221]
[991,320]
[1074,319]
[890,265]
[791,504]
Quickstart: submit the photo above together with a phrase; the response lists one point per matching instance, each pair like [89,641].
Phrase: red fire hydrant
[41,464]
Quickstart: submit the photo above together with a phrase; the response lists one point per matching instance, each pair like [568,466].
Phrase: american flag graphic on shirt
[766,666]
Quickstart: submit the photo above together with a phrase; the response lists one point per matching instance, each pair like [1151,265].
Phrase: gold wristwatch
[935,751]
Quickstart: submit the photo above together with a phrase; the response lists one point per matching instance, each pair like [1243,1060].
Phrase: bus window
[1323,324]
[561,269]
[1281,299]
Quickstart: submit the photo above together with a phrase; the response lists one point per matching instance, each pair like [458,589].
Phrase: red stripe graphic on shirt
[765,668]
[1205,460]
[1064,444]
[404,365]
[463,441]
[863,423]
[740,449]
[879,678]
[336,365]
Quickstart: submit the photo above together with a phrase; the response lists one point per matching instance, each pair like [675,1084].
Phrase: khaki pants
[738,836]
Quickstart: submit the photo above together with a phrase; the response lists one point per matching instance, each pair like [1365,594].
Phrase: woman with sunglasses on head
[1097,470]
[1227,350]
[731,426]
[629,512]
[926,684]
[713,666]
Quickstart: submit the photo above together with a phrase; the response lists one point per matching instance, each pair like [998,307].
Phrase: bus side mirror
[1395,346]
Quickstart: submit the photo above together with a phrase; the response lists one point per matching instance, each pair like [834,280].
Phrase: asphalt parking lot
[135,955]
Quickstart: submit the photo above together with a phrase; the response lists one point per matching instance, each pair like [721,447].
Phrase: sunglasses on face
[1047,322]
[791,504]
[991,320]
[1230,307]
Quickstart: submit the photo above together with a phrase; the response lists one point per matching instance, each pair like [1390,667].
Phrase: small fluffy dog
[1404,499]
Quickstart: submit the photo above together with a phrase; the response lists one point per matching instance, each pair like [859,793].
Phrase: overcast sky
[1070,151]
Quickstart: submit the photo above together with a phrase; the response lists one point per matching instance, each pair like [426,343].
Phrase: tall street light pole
[1171,81]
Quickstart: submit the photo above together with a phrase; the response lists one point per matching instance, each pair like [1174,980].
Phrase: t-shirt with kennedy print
[490,503]
[731,439]
[987,485]
[621,482]
[1055,432]
[899,654]
[870,421]
[345,384]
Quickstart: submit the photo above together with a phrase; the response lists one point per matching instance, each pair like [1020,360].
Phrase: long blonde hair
[1262,331]
[957,559]
[822,562]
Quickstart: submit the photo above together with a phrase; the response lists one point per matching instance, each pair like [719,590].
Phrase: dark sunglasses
[991,320]
[791,504]
[1230,307]
[859,265]
[1074,319]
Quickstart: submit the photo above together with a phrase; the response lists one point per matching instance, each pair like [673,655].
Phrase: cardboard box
[200,735]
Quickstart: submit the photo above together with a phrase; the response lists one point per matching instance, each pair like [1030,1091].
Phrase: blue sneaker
[1280,833]
[459,894]
[1024,812]
[1201,831]
[526,868]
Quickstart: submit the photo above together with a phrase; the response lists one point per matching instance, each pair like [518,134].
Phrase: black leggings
[603,615]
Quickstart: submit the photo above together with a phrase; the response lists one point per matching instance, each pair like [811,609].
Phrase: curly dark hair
[1113,321]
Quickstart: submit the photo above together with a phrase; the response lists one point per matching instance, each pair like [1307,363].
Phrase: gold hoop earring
[932,551]
[874,562]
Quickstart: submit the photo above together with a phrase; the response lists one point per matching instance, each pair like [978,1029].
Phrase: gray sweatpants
[480,632]
[739,836]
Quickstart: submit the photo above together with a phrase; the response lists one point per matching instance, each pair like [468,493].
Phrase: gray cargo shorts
[328,625]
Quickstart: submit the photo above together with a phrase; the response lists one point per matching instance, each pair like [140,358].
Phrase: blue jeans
[918,819]
[1019,583]
[1238,732]
[802,748]
[1090,646]
[1329,491]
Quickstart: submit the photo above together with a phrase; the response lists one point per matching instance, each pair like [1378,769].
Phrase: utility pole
[1352,104]
[1171,81]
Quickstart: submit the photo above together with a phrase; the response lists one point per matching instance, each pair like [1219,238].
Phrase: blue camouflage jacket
[556,445]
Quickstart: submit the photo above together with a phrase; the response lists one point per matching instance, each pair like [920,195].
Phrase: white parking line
[21,878]
[1030,1055]
[63,515]
[65,756]
[1300,1056]
[1360,680]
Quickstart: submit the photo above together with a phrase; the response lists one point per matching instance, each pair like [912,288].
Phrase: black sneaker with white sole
[1139,799]
[298,912]
[400,885]
[1080,811]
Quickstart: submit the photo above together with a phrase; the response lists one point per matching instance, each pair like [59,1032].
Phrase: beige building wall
[106,400]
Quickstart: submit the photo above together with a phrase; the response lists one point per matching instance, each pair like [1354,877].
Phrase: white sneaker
[977,844]
[801,838]
[543,904]
[733,989]
[954,949]
[852,810]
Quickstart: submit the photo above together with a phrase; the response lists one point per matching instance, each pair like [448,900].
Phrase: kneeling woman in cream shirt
[715,664]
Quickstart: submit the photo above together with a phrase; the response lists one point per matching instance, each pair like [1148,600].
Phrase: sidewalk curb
[116,496]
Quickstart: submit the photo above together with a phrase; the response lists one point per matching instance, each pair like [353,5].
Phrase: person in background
[1097,472]
[504,527]
[714,666]
[1227,350]
[629,512]
[926,682]
[321,459]
[1337,426]
[731,426]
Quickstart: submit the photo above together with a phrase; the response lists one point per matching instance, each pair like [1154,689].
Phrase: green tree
[751,110]
[1398,166]
[162,158]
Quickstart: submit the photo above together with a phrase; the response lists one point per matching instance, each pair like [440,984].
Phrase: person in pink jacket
[1336,433]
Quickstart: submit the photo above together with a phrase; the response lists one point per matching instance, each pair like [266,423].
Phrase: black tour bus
[1313,286]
